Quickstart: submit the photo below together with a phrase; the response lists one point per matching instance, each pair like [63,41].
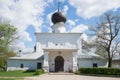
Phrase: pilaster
[46,61]
[75,67]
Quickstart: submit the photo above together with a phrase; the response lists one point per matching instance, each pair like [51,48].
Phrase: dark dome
[58,17]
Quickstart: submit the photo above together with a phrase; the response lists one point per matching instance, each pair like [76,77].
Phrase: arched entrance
[59,64]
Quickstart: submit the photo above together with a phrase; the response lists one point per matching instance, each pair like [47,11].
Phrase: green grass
[11,79]
[16,74]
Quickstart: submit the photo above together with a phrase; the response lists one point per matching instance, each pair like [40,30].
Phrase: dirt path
[68,77]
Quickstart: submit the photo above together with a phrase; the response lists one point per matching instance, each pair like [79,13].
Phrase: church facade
[56,51]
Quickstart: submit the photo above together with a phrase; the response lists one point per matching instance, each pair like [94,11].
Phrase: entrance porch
[60,60]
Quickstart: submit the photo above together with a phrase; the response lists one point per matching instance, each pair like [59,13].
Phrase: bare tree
[107,33]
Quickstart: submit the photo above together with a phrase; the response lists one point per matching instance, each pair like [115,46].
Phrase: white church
[56,51]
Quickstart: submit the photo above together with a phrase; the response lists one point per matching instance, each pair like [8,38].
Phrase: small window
[94,64]
[21,65]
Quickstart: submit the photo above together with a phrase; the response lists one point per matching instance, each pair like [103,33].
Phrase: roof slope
[33,56]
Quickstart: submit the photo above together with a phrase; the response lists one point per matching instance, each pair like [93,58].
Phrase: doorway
[39,65]
[59,64]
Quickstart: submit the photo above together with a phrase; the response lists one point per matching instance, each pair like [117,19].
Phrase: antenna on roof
[58,6]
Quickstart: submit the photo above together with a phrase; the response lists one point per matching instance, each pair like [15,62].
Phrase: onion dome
[58,17]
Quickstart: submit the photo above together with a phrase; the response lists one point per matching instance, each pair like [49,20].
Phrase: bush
[104,71]
[28,71]
[39,71]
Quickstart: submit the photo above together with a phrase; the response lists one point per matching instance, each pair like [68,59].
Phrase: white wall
[28,64]
[57,40]
[89,62]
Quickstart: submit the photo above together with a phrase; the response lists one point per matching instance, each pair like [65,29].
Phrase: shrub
[28,71]
[104,71]
[39,71]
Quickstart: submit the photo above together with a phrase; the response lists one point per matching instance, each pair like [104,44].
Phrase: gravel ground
[68,77]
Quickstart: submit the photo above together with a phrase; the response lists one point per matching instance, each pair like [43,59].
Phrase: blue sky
[31,16]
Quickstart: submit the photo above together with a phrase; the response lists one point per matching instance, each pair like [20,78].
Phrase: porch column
[75,68]
[46,62]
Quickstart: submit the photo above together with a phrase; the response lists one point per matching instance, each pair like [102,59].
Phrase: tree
[107,33]
[87,46]
[7,35]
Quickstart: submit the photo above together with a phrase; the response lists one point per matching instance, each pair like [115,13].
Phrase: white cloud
[71,23]
[90,8]
[25,37]
[89,39]
[49,16]
[84,37]
[23,13]
[65,9]
[21,46]
[49,21]
[80,28]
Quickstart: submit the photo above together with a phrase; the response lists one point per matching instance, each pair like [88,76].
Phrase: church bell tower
[58,19]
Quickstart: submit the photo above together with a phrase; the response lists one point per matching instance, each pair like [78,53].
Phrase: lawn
[11,79]
[16,74]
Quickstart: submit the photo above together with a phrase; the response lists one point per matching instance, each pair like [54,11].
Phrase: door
[59,64]
[39,65]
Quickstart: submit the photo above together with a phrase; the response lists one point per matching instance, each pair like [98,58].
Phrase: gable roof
[89,56]
[28,56]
